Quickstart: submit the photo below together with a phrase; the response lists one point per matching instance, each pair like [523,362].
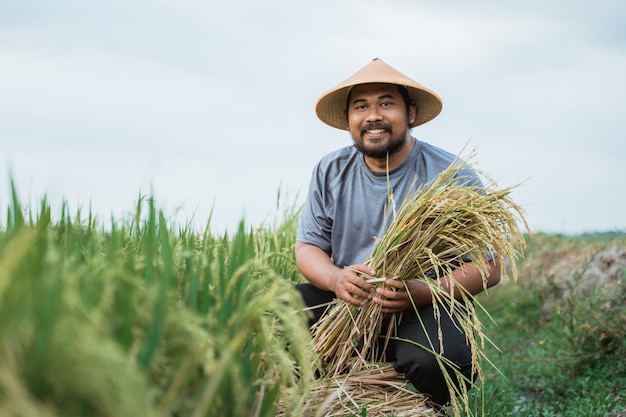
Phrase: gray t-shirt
[346,207]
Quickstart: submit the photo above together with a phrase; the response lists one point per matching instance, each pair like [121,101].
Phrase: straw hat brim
[331,106]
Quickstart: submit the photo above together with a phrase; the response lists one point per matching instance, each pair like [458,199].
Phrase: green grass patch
[560,352]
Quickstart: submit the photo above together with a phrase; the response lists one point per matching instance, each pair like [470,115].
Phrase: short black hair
[405,95]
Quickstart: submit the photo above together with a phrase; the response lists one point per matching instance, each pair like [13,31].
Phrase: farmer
[345,211]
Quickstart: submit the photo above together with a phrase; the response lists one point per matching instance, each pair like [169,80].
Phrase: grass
[556,358]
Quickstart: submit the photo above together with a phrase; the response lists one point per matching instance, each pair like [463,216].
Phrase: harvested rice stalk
[437,229]
[376,389]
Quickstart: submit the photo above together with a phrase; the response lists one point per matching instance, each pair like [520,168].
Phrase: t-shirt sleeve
[315,220]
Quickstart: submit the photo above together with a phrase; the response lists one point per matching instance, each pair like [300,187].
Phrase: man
[345,211]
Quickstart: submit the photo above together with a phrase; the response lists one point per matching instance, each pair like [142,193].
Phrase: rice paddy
[141,320]
[145,317]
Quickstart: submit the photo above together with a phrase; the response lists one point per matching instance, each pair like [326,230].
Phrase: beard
[380,152]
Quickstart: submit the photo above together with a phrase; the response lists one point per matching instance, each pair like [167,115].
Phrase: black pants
[419,365]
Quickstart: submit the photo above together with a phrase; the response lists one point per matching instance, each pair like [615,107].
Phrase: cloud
[212,102]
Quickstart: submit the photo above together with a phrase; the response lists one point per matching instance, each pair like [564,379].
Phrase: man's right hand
[318,268]
[350,287]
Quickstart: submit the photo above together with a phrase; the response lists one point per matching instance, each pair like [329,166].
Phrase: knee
[315,299]
[421,368]
[431,375]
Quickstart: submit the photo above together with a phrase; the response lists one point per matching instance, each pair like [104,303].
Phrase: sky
[208,106]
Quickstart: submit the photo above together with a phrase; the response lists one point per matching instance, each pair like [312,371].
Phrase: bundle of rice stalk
[439,228]
[376,390]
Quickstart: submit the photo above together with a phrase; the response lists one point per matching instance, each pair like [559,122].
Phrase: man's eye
[360,107]
[386,104]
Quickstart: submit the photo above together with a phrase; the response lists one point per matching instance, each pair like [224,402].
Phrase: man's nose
[374,114]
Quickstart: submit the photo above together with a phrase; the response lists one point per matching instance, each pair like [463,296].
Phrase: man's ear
[412,113]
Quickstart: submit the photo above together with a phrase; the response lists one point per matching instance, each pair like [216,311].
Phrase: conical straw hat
[331,106]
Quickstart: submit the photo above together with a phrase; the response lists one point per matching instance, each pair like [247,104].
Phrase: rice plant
[149,318]
[137,320]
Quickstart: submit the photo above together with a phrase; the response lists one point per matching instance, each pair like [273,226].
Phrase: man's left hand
[395,298]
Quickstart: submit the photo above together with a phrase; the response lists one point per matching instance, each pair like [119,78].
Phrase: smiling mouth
[375,130]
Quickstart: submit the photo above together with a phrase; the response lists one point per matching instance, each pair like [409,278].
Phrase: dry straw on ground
[437,229]
[376,390]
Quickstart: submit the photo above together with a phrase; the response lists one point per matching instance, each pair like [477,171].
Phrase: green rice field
[144,317]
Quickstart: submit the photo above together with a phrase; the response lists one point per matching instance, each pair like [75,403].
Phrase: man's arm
[317,266]
[467,276]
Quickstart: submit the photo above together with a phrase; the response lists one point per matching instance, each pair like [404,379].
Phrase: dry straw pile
[437,229]
[376,390]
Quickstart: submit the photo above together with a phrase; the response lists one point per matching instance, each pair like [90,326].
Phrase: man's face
[378,119]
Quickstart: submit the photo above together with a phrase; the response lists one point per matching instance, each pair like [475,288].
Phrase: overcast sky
[209,104]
